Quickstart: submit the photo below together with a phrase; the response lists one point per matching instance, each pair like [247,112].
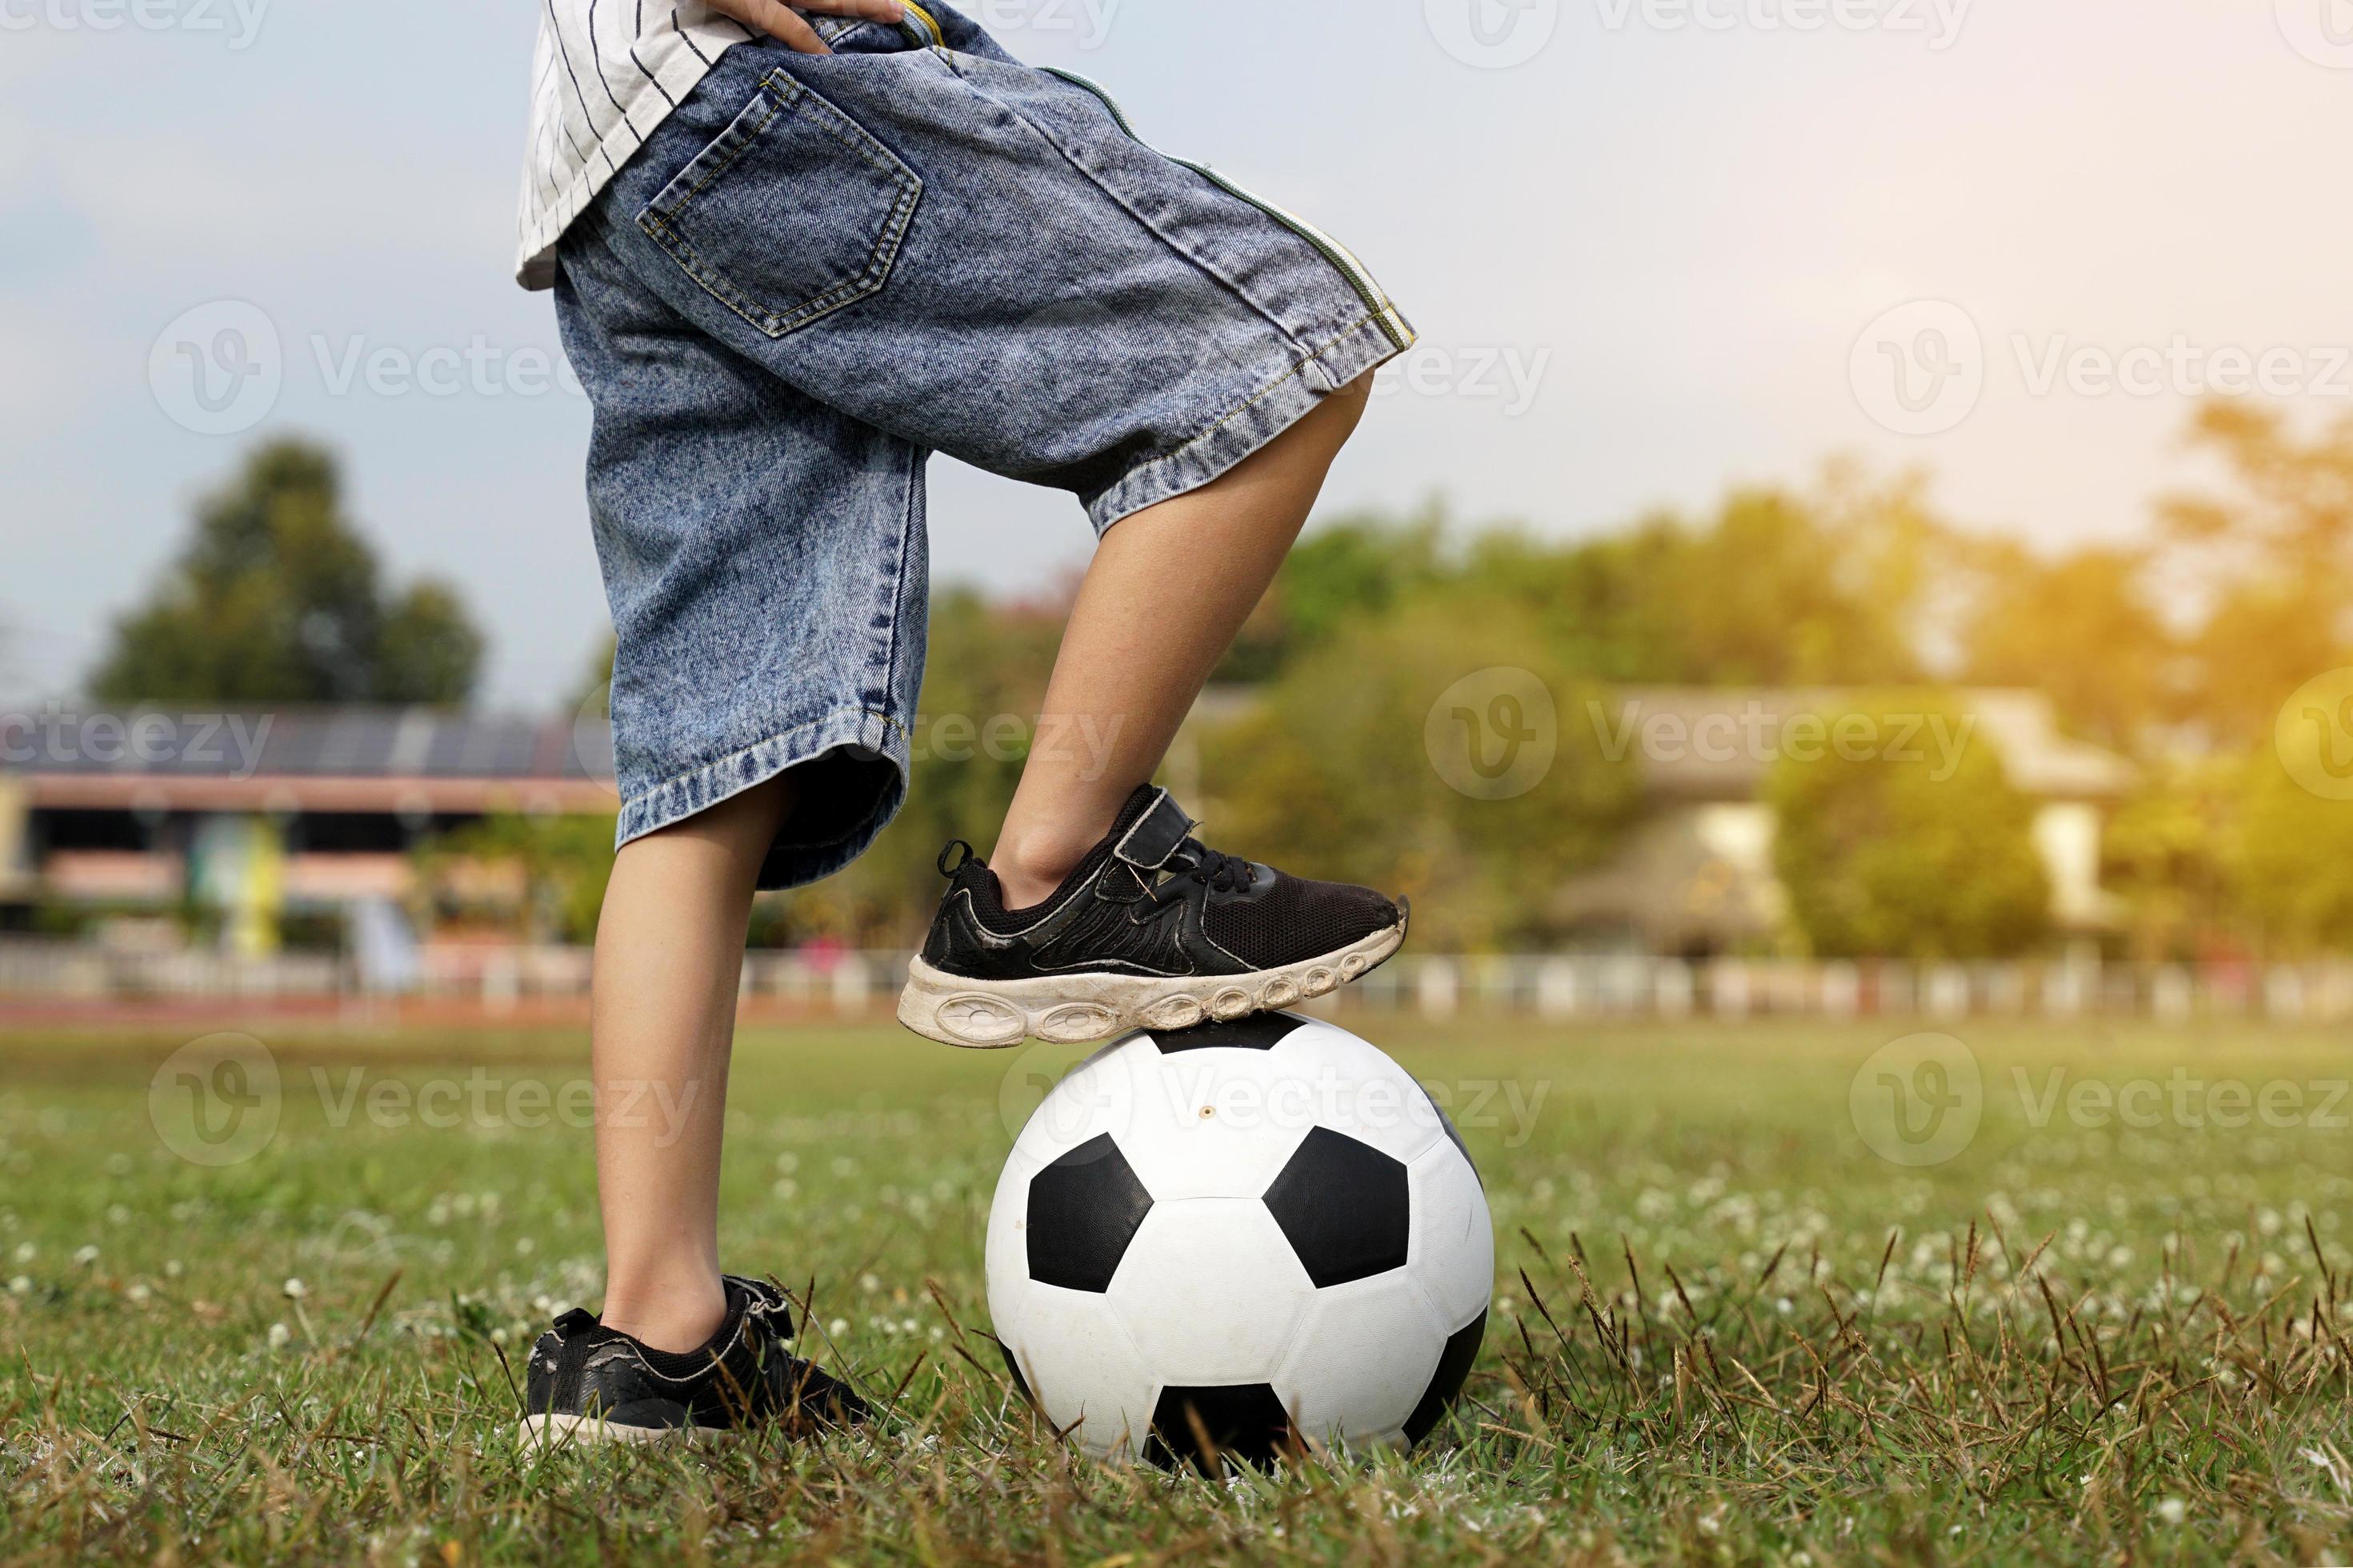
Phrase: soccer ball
[1239,1237]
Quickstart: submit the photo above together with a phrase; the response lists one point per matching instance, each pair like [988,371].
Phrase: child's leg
[670,956]
[1167,590]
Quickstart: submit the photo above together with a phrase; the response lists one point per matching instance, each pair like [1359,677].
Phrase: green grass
[1725,1330]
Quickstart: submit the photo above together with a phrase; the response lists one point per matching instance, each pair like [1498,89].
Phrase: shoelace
[1222,872]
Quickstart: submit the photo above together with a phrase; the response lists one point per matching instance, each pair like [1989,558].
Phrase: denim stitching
[645,801]
[1122,202]
[898,576]
[1269,390]
[789,94]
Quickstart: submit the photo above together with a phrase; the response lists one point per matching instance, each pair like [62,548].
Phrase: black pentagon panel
[1083,1211]
[1258,1032]
[1244,1421]
[1347,1207]
[1453,1367]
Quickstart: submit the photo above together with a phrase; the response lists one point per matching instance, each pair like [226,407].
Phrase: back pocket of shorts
[795,212]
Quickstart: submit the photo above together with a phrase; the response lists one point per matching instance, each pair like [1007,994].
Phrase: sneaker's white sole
[555,1431]
[1070,1009]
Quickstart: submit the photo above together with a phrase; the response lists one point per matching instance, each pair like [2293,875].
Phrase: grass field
[1726,1328]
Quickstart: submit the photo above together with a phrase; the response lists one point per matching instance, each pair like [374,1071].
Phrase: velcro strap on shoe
[1156,834]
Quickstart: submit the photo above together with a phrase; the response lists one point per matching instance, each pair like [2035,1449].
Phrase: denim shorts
[819,270]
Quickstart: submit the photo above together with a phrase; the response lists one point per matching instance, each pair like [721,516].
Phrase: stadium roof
[407,760]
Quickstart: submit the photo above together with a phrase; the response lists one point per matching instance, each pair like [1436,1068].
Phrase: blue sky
[1642,257]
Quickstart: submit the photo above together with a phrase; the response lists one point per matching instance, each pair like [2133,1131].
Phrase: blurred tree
[1362,564]
[2082,630]
[1330,774]
[592,698]
[2291,860]
[2164,854]
[983,682]
[2273,553]
[1882,857]
[563,863]
[279,599]
[1776,588]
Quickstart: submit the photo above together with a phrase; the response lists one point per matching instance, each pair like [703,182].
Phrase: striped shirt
[605,74]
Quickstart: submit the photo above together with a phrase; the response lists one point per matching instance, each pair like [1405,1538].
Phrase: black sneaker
[1154,930]
[590,1384]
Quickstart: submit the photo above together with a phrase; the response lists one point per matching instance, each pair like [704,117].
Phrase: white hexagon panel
[1224,1241]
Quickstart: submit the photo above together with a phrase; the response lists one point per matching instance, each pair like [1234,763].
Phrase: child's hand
[779,22]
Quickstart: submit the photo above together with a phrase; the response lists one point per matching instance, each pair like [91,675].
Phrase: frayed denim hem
[788,865]
[1366,346]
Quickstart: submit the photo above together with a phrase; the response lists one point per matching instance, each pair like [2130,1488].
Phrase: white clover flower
[20,1286]
[86,1256]
[295,1289]
[2173,1510]
[280,1336]
[140,1295]
[172,1270]
[869,1283]
[26,1252]
[839,1327]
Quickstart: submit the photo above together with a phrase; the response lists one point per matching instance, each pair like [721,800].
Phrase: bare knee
[1345,408]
